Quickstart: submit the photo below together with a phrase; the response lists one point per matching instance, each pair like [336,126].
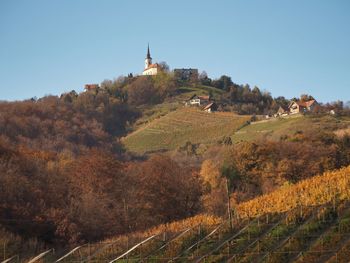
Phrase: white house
[198,100]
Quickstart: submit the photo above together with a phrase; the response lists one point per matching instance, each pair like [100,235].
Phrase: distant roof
[304,104]
[91,86]
[281,109]
[155,65]
[200,97]
[209,105]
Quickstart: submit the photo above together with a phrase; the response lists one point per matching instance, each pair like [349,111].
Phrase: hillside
[311,226]
[275,128]
[178,127]
[152,112]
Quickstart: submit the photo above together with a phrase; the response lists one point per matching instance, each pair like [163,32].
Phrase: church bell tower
[148,60]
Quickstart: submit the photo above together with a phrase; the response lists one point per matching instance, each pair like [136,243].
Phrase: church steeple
[148,60]
[150,68]
[148,53]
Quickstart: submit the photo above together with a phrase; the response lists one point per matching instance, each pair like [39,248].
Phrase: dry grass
[342,132]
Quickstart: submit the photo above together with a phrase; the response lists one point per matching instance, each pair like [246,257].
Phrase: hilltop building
[150,69]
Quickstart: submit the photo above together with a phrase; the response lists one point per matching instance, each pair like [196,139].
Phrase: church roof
[155,65]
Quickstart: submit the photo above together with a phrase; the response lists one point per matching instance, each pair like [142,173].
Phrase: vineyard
[308,222]
[178,127]
[331,187]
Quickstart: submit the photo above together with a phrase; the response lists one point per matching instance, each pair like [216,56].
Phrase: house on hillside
[302,106]
[282,112]
[91,87]
[211,107]
[198,100]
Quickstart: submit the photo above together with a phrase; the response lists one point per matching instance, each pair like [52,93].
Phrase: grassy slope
[152,112]
[178,127]
[273,129]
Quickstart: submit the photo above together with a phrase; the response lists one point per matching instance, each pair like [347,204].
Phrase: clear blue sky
[285,47]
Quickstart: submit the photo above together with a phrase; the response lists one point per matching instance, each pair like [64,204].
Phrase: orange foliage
[331,186]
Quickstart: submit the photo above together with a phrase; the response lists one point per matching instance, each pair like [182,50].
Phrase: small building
[198,100]
[90,87]
[186,74]
[211,107]
[302,106]
[282,112]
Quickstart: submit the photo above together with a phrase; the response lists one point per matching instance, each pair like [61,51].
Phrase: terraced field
[183,125]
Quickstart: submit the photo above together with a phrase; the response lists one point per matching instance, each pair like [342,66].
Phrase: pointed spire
[148,53]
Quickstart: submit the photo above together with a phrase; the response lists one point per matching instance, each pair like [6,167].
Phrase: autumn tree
[97,192]
[215,197]
[142,91]
[165,191]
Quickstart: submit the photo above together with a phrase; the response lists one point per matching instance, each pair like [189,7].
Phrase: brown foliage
[96,183]
[215,198]
[142,91]
[150,89]
[164,191]
[88,120]
[264,166]
[59,198]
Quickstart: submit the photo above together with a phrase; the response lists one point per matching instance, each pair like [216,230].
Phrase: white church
[150,69]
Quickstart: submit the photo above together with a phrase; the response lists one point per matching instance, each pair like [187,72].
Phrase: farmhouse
[198,100]
[89,87]
[150,69]
[211,107]
[302,106]
[282,111]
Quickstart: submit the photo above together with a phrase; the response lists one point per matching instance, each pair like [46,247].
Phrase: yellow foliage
[210,173]
[331,186]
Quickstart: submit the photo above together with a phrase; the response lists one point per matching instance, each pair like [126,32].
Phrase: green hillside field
[183,125]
